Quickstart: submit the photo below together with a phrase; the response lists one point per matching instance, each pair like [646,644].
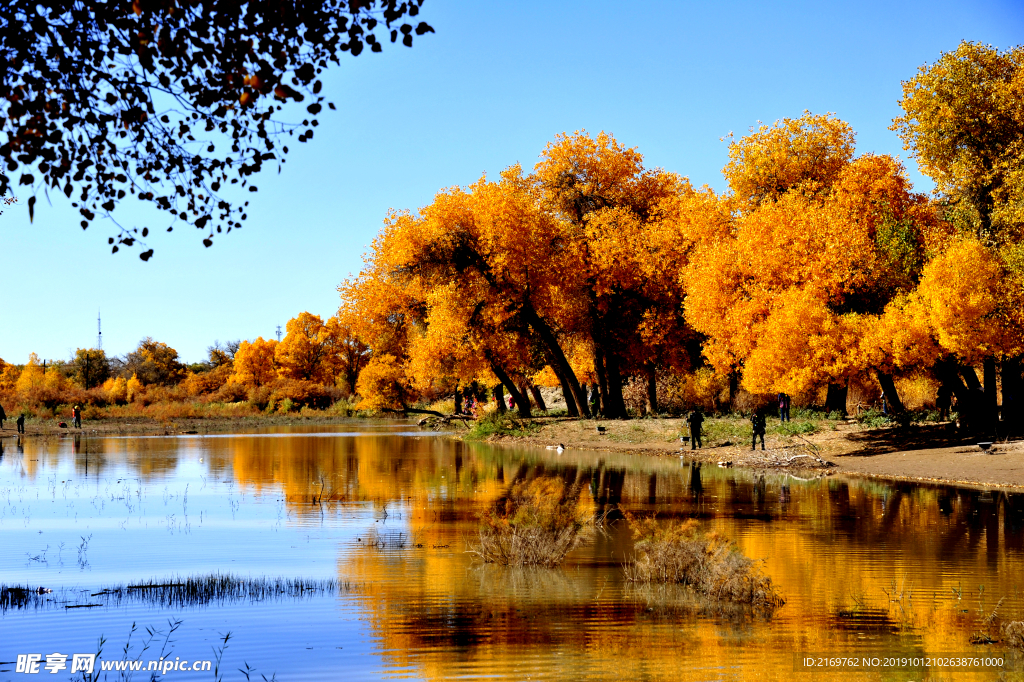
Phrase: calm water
[867,568]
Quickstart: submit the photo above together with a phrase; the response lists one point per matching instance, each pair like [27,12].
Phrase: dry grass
[678,552]
[537,524]
[1013,634]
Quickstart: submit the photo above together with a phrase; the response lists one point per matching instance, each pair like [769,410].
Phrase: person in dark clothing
[943,401]
[784,407]
[696,421]
[757,421]
[21,423]
[3,416]
[458,401]
[76,415]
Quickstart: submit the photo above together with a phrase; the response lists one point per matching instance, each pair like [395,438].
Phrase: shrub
[230,393]
[678,552]
[538,523]
[303,393]
[1013,634]
[196,384]
[494,423]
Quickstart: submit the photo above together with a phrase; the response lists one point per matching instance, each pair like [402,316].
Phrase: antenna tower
[99,332]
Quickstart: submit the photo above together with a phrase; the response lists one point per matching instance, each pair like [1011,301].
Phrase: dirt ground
[920,453]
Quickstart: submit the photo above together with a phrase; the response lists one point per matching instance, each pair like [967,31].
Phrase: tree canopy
[170,102]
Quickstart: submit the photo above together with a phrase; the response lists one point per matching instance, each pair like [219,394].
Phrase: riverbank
[814,447]
[925,453]
[145,426]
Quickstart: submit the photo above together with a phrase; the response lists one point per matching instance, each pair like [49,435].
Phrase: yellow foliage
[133,389]
[255,363]
[8,376]
[962,122]
[31,375]
[804,154]
[116,390]
[382,384]
[310,349]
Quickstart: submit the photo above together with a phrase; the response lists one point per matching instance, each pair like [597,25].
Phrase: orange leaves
[804,155]
[310,349]
[255,363]
[959,291]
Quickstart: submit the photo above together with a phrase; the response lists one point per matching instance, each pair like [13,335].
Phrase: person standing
[696,421]
[76,415]
[757,421]
[21,423]
[784,407]
[3,416]
[943,401]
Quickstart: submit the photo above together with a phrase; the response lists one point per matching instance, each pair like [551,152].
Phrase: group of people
[758,424]
[20,421]
[76,418]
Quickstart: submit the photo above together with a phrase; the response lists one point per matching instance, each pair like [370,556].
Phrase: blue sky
[493,85]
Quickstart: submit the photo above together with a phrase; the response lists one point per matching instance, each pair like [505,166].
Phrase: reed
[174,592]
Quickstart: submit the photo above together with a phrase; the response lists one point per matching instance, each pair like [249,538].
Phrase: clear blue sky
[494,84]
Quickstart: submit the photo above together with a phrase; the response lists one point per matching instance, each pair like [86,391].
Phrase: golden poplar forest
[818,268]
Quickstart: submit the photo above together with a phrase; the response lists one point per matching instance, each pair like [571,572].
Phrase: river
[376,519]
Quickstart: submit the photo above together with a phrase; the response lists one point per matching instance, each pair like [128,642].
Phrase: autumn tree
[91,367]
[153,362]
[812,261]
[605,202]
[963,123]
[310,349]
[255,362]
[171,103]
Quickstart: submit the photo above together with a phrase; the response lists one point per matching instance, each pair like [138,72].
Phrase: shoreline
[931,454]
[922,454]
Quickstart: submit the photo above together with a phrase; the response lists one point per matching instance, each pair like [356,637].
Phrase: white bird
[561,448]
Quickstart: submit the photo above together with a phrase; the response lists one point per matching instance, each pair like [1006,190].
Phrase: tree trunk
[499,397]
[570,404]
[538,398]
[458,399]
[522,404]
[652,389]
[525,395]
[889,391]
[734,387]
[991,401]
[616,405]
[557,355]
[948,372]
[835,399]
[970,378]
[602,382]
[1010,369]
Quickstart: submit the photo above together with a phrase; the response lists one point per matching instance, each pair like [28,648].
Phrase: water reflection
[866,566]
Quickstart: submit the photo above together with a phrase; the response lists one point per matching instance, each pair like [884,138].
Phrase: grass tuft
[501,424]
[678,552]
[537,524]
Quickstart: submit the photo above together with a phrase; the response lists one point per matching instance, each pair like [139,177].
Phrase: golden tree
[820,245]
[963,122]
[255,363]
[309,349]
